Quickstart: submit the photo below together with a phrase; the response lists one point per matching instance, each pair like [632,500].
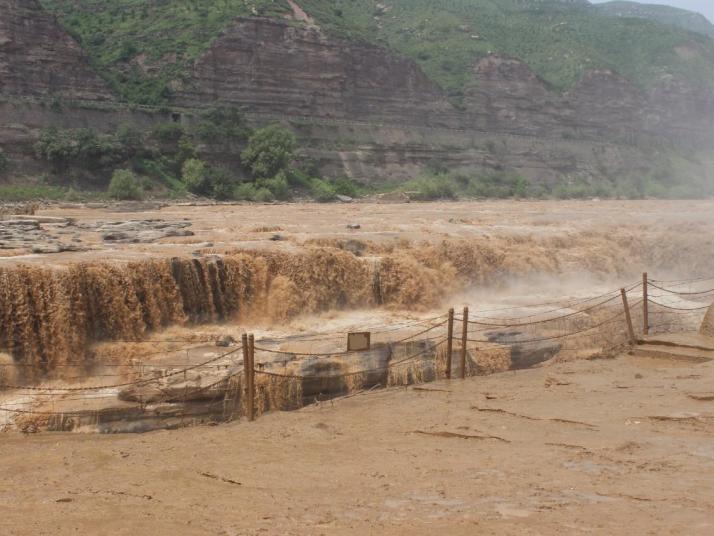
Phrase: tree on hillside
[194,176]
[270,150]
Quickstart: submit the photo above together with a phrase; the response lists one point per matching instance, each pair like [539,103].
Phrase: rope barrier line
[675,312]
[557,337]
[432,328]
[346,375]
[329,336]
[6,409]
[569,305]
[565,307]
[681,281]
[683,293]
[116,386]
[679,308]
[150,341]
[331,354]
[100,365]
[535,322]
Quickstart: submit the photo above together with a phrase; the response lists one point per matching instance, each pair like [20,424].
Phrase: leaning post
[464,342]
[449,343]
[628,316]
[645,303]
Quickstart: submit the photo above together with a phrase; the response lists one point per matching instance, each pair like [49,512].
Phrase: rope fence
[233,384]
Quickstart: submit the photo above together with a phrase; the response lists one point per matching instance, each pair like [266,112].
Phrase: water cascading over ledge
[49,317]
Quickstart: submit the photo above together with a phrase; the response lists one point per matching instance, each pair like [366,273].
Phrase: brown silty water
[51,316]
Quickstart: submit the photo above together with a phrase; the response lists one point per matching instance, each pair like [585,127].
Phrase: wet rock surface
[38,235]
[48,234]
[141,231]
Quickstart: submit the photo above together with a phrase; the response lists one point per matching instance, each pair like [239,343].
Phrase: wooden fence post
[248,371]
[464,342]
[628,316]
[646,303]
[450,343]
[251,383]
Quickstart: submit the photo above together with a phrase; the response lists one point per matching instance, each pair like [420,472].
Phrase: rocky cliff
[361,110]
[38,58]
[271,66]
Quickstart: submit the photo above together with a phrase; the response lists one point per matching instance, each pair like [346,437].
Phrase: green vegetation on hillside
[175,159]
[669,180]
[142,48]
[560,42]
[687,20]
[125,186]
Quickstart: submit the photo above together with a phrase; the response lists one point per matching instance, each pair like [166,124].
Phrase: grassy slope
[141,45]
[559,42]
[688,20]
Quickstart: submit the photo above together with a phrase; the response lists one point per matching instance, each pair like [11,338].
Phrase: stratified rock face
[605,105]
[38,58]
[683,111]
[506,96]
[273,67]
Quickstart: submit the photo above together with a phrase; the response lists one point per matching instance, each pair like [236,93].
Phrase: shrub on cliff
[125,186]
[222,125]
[431,188]
[322,191]
[278,186]
[270,150]
[83,147]
[248,191]
[168,132]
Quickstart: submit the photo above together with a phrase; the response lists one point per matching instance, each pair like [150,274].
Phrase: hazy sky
[706,7]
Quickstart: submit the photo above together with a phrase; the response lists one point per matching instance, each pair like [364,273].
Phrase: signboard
[358,342]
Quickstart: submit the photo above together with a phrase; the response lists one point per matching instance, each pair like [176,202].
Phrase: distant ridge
[674,16]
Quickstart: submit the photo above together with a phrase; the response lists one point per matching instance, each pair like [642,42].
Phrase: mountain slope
[682,18]
[140,47]
[144,48]
[31,42]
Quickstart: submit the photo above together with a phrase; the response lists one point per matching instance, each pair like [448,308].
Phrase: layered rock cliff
[271,66]
[39,58]
[361,110]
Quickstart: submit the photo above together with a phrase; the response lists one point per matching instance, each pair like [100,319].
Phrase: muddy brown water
[404,258]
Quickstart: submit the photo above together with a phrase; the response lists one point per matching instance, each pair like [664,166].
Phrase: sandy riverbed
[595,447]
